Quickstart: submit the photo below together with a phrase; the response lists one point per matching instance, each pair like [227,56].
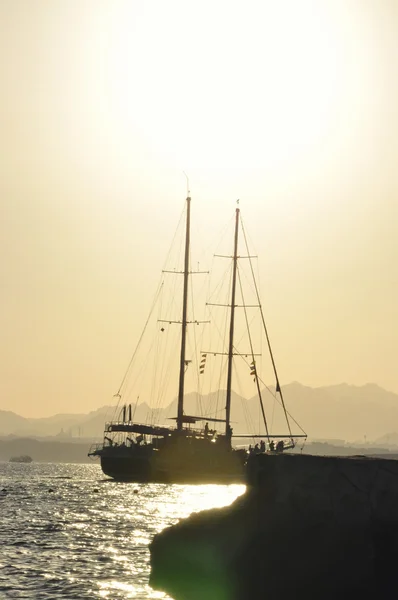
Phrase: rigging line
[156,376]
[290,415]
[225,304]
[219,287]
[144,366]
[155,371]
[222,335]
[110,413]
[214,384]
[248,417]
[174,236]
[192,368]
[209,282]
[206,334]
[171,367]
[165,380]
[215,240]
[221,280]
[140,372]
[239,387]
[273,414]
[172,334]
[160,345]
[275,397]
[247,413]
[222,372]
[242,336]
[140,339]
[135,408]
[172,304]
[220,236]
[242,356]
[216,397]
[200,378]
[195,344]
[267,337]
[112,410]
[248,420]
[226,329]
[176,281]
[252,352]
[249,279]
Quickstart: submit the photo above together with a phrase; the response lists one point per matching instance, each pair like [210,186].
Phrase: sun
[219,86]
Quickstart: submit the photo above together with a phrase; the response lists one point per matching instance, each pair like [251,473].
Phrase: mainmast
[180,410]
[228,431]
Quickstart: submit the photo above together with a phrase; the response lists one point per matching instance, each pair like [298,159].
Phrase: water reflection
[77,543]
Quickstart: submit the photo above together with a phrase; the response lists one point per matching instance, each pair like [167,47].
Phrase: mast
[231,331]
[180,410]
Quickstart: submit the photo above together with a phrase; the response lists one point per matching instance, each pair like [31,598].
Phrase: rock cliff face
[307,527]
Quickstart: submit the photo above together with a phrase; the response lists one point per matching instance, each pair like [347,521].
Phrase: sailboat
[190,452]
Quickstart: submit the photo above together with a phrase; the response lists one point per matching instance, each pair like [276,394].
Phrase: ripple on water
[86,540]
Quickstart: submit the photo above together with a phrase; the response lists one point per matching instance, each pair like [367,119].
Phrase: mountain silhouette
[346,412]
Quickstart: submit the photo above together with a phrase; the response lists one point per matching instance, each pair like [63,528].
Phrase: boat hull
[127,470]
[181,463]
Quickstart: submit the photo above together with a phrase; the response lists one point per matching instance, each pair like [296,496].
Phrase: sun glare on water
[160,506]
[188,499]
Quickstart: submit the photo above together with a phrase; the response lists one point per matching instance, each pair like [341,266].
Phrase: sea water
[67,532]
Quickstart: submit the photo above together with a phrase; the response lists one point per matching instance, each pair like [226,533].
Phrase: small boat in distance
[24,458]
[191,452]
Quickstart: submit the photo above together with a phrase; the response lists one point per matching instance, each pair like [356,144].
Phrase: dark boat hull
[182,463]
[125,469]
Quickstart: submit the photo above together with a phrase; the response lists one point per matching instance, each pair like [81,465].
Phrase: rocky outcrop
[307,527]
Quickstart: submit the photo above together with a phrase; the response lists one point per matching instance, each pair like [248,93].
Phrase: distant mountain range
[359,414]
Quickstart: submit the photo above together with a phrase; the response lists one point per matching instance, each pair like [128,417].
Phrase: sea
[68,532]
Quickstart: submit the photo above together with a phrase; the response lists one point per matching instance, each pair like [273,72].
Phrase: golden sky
[290,106]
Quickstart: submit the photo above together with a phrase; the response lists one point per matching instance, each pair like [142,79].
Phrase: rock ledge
[307,526]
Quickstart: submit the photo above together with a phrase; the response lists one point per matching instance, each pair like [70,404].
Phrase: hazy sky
[291,106]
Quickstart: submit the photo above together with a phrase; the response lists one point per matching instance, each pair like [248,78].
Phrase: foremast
[228,430]
[180,409]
